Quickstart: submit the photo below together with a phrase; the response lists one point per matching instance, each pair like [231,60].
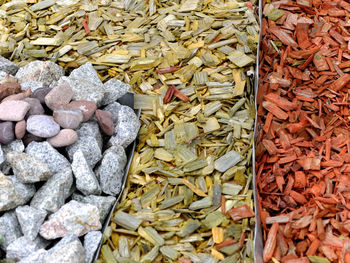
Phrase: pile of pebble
[62,159]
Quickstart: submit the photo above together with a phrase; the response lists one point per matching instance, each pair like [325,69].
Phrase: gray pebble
[42,126]
[27,168]
[69,253]
[85,83]
[14,146]
[103,203]
[7,132]
[127,127]
[73,217]
[111,170]
[45,152]
[9,197]
[42,71]
[114,89]
[30,220]
[8,66]
[32,85]
[35,257]
[20,248]
[91,129]
[91,242]
[9,229]
[52,195]
[2,157]
[24,191]
[85,178]
[89,146]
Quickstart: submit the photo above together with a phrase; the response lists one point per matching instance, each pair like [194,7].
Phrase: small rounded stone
[105,120]
[64,138]
[40,94]
[7,134]
[88,108]
[13,110]
[20,129]
[68,119]
[42,126]
[35,107]
[61,94]
[19,96]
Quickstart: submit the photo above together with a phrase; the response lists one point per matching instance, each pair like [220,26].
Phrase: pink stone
[67,119]
[88,108]
[64,138]
[59,95]
[105,120]
[13,110]
[20,129]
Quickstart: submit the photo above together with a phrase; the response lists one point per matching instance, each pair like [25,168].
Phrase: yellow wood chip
[218,234]
[217,254]
[196,190]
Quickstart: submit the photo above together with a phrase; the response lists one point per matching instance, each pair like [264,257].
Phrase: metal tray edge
[130,154]
[258,241]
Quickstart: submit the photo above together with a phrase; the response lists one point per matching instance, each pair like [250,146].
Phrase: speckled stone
[111,170]
[8,66]
[42,71]
[35,257]
[13,110]
[20,248]
[9,229]
[14,146]
[45,152]
[7,132]
[114,109]
[103,203]
[59,95]
[9,197]
[91,129]
[91,242]
[85,83]
[35,107]
[126,129]
[27,168]
[68,119]
[85,178]
[20,129]
[105,120]
[89,146]
[114,89]
[2,157]
[24,191]
[64,138]
[52,195]
[32,85]
[30,220]
[88,108]
[42,126]
[69,253]
[40,94]
[73,217]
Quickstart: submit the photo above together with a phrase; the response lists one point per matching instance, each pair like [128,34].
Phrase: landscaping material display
[303,149]
[63,141]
